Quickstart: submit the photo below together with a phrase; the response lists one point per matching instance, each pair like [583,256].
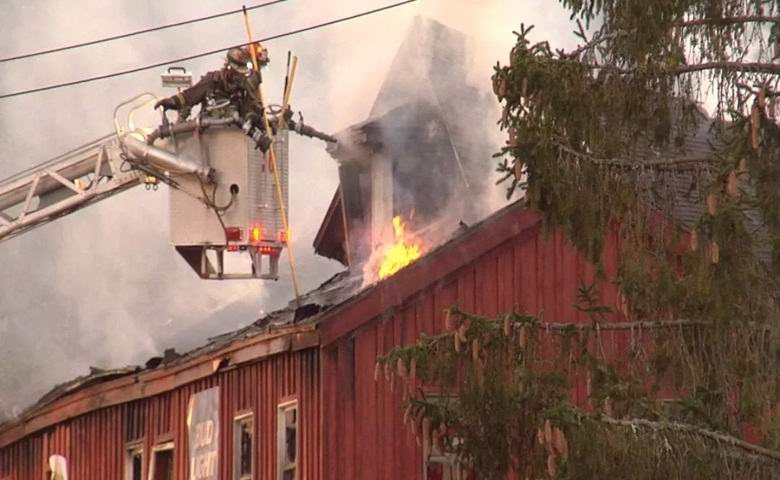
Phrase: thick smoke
[103,287]
[434,121]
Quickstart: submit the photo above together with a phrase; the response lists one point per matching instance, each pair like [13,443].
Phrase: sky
[103,287]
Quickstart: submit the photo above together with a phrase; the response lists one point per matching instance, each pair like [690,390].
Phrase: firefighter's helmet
[238,60]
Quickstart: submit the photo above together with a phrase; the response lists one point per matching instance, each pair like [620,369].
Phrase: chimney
[381,200]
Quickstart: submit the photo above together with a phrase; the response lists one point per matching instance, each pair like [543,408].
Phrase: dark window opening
[243,440]
[162,464]
[136,465]
[288,441]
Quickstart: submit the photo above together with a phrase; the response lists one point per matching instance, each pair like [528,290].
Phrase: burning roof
[419,158]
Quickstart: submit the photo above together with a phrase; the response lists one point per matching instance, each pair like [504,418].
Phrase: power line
[204,54]
[137,32]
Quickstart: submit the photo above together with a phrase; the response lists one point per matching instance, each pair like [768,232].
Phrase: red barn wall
[94,444]
[350,426]
[531,272]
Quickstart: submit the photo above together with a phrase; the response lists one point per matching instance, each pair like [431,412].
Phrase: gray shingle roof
[679,189]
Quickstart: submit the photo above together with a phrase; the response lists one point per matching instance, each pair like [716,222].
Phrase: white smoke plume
[103,287]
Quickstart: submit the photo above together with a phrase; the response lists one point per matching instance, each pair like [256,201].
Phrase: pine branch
[657,164]
[562,328]
[728,21]
[744,67]
[691,429]
[520,321]
[747,67]
[593,43]
[611,326]
[556,327]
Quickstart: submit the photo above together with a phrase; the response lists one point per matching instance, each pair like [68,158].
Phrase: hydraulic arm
[222,187]
[92,172]
[63,185]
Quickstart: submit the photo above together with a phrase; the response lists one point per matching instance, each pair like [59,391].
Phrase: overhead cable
[203,54]
[137,32]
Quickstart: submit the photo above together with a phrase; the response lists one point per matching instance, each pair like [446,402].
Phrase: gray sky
[103,287]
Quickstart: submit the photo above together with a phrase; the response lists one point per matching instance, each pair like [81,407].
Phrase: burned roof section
[313,305]
[94,377]
[423,154]
[331,239]
[309,308]
[312,308]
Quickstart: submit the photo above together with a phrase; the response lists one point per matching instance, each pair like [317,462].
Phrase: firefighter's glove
[262,141]
[167,104]
[288,114]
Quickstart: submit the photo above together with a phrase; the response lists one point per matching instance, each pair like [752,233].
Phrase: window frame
[281,438]
[49,470]
[130,449]
[162,447]
[447,460]
[240,419]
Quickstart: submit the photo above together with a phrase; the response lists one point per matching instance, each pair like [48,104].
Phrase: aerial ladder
[225,195]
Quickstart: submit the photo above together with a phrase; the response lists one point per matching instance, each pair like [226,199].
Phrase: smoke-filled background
[102,287]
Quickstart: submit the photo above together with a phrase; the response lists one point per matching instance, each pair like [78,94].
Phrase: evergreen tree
[593,135]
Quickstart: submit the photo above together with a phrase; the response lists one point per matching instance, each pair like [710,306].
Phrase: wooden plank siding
[531,273]
[350,425]
[95,444]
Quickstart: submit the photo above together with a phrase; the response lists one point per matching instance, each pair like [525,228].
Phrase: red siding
[529,273]
[94,444]
[350,424]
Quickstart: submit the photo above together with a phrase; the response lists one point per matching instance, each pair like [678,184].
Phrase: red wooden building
[123,424]
[296,392]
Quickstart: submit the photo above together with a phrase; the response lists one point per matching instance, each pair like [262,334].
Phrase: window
[162,462]
[287,440]
[443,466]
[243,439]
[134,463]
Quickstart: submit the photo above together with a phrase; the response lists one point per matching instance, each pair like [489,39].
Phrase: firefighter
[231,89]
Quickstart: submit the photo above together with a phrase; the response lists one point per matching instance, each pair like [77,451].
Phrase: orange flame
[401,253]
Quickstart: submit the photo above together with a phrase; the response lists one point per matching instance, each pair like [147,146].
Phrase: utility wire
[137,32]
[199,55]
